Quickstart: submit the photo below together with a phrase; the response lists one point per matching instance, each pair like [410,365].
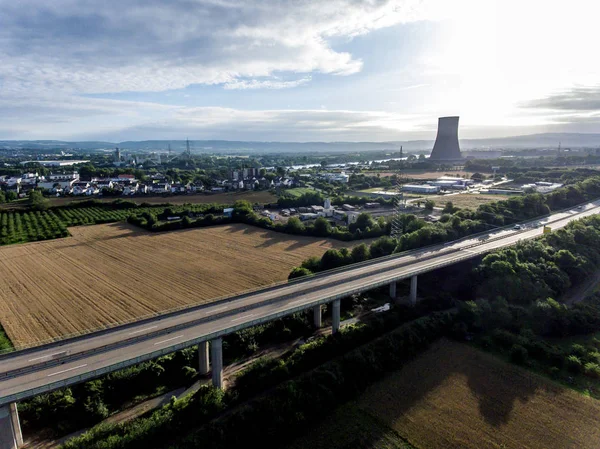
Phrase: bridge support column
[413,290]
[335,316]
[203,358]
[393,290]
[317,317]
[10,427]
[216,360]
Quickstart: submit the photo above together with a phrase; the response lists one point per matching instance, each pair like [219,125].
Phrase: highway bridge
[29,372]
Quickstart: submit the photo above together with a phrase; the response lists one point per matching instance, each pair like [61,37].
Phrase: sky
[296,70]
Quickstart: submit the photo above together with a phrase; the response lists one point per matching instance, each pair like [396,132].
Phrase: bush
[592,370]
[518,354]
[574,365]
[298,272]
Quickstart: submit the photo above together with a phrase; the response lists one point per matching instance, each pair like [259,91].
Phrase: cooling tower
[446,143]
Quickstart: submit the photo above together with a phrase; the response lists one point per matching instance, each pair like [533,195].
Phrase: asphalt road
[25,374]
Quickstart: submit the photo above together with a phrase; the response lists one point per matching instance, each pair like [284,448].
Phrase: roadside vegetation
[454,223]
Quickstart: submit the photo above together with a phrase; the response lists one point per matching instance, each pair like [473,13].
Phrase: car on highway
[579,207]
[517,226]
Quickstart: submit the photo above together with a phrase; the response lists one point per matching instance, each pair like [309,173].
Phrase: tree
[322,228]
[360,253]
[2,197]
[299,272]
[363,221]
[37,200]
[11,196]
[429,204]
[281,171]
[295,226]
[448,208]
[383,246]
[332,259]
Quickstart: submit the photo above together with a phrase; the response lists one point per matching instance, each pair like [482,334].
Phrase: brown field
[466,200]
[455,396]
[111,273]
[262,196]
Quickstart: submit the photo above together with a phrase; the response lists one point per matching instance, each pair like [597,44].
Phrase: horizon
[344,71]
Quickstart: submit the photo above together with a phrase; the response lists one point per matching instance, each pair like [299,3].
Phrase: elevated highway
[32,371]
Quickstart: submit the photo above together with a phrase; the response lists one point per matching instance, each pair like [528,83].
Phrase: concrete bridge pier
[216,360]
[317,317]
[413,290]
[10,427]
[393,290]
[203,357]
[335,316]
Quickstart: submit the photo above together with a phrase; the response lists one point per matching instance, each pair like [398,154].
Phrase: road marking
[296,301]
[216,310]
[66,370]
[169,339]
[242,317]
[141,330]
[46,356]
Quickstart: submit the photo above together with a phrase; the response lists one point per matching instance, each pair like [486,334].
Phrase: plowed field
[111,273]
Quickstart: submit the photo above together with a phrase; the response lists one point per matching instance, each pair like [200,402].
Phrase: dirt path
[585,289]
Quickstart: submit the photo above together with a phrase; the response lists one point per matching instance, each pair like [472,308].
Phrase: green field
[299,191]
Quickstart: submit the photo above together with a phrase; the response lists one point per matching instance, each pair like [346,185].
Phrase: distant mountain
[546,140]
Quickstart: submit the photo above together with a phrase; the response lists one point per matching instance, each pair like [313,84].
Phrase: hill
[546,140]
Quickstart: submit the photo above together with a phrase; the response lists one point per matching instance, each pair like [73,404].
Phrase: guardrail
[110,327]
[287,311]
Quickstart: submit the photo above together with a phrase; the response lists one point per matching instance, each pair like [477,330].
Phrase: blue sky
[291,70]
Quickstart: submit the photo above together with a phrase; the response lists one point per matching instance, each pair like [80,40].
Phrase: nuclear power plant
[446,143]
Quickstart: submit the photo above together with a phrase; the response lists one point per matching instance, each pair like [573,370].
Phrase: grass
[298,191]
[467,200]
[5,343]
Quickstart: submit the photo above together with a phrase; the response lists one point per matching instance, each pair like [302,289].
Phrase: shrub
[592,370]
[518,354]
[574,365]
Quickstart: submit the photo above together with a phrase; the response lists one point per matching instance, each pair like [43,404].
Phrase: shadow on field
[451,385]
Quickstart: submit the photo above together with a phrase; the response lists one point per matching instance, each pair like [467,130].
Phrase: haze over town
[289,71]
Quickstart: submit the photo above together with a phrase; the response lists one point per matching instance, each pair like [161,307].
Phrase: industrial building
[446,146]
[420,188]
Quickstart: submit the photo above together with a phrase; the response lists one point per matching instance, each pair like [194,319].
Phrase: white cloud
[149,45]
[265,84]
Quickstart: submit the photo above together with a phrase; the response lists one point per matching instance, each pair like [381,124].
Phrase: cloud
[581,98]
[82,46]
[278,125]
[265,84]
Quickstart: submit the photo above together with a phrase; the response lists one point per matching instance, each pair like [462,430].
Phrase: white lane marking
[216,310]
[46,356]
[169,339]
[64,371]
[296,301]
[141,330]
[242,317]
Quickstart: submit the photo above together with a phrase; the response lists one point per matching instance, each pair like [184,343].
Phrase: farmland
[454,396]
[467,200]
[469,399]
[110,273]
[30,226]
[200,198]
